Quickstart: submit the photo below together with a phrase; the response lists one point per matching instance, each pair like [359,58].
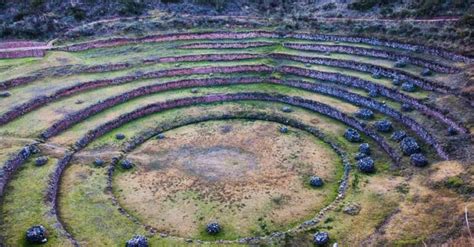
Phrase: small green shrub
[454,182]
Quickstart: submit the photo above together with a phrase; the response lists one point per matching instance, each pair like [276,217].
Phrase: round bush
[408,87]
[407,107]
[126,164]
[418,159]
[452,131]
[396,82]
[384,126]
[213,228]
[137,241]
[321,238]
[365,113]
[119,136]
[160,136]
[37,235]
[352,135]
[373,93]
[98,162]
[359,156]
[409,146]
[426,72]
[400,63]
[366,165]
[5,94]
[316,181]
[283,129]
[41,161]
[286,109]
[398,135]
[364,148]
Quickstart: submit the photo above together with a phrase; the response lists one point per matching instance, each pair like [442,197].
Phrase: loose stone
[119,136]
[41,161]
[321,238]
[137,241]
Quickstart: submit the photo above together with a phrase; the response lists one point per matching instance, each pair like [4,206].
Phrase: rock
[400,63]
[351,209]
[34,149]
[78,102]
[398,135]
[37,235]
[307,65]
[5,94]
[409,146]
[408,87]
[126,164]
[213,228]
[426,72]
[407,107]
[98,162]
[119,136]
[373,93]
[366,165]
[352,135]
[160,136]
[364,148]
[316,181]
[452,131]
[226,129]
[137,241]
[364,113]
[384,126]
[286,109]
[194,90]
[327,53]
[321,238]
[41,161]
[418,160]
[283,129]
[359,156]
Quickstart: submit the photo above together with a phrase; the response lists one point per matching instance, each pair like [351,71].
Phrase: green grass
[346,229]
[23,205]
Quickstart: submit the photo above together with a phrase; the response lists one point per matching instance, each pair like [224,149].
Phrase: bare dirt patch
[445,169]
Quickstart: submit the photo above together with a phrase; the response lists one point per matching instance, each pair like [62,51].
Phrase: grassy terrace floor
[180,183]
